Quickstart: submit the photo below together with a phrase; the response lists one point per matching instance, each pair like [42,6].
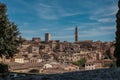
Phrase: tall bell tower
[76,34]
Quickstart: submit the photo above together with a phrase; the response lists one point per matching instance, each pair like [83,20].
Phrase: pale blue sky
[94,18]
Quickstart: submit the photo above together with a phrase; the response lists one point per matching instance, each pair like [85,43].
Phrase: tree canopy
[117,45]
[80,63]
[9,34]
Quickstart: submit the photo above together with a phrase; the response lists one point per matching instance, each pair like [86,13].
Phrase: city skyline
[95,19]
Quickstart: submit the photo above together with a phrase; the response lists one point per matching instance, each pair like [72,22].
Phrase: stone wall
[101,74]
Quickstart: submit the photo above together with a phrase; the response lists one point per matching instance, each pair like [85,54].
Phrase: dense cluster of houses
[54,56]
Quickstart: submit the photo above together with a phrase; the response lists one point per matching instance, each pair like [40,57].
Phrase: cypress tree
[117,45]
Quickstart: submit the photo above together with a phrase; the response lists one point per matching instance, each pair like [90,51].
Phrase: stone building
[93,65]
[47,37]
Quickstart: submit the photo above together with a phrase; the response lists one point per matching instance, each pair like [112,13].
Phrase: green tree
[9,34]
[117,45]
[112,64]
[80,63]
[9,39]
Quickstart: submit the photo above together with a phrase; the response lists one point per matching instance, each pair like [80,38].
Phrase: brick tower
[76,34]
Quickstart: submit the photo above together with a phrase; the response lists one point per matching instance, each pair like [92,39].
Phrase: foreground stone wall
[102,74]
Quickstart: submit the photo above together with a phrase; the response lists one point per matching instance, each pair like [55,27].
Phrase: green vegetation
[113,64]
[9,39]
[9,34]
[34,71]
[80,63]
[117,45]
[107,54]
[3,70]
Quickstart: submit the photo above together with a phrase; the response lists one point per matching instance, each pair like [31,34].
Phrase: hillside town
[53,56]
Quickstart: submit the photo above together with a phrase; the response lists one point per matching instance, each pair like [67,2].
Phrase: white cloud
[64,14]
[33,31]
[54,12]
[106,20]
[44,5]
[28,31]
[99,31]
[25,24]
[106,11]
[44,29]
[113,28]
[63,37]
[70,28]
[104,14]
[100,19]
[46,12]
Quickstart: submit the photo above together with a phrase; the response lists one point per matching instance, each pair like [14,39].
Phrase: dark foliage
[117,45]
[3,68]
[80,63]
[34,71]
[9,34]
